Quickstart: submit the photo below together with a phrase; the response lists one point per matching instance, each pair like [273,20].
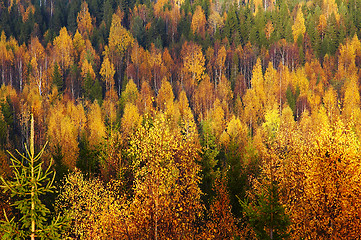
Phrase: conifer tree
[267,215]
[29,183]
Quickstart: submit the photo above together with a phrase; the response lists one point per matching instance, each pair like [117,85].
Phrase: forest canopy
[182,119]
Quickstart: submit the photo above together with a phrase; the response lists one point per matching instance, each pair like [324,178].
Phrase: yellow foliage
[130,120]
[225,95]
[146,99]
[158,7]
[119,38]
[346,63]
[203,99]
[330,103]
[84,21]
[351,100]
[63,49]
[258,82]
[221,223]
[193,61]
[107,72]
[318,169]
[165,181]
[235,132]
[66,122]
[272,122]
[271,85]
[95,125]
[130,94]
[165,96]
[329,7]
[269,29]
[216,118]
[299,28]
[78,42]
[87,69]
[199,21]
[94,209]
[215,21]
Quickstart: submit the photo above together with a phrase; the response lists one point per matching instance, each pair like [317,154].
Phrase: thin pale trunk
[21,74]
[40,80]
[11,77]
[51,8]
[32,236]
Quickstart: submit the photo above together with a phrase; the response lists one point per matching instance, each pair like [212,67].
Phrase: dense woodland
[179,119]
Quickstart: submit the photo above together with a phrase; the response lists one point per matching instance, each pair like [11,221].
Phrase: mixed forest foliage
[179,119]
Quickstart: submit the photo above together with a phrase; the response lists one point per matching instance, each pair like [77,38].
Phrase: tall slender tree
[29,183]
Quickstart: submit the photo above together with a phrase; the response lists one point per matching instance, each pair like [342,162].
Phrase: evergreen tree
[73,10]
[331,37]
[138,31]
[29,184]
[108,10]
[267,215]
[231,26]
[209,162]
[92,88]
[57,78]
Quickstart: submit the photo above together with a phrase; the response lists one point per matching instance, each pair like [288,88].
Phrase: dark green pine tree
[231,27]
[57,78]
[311,29]
[257,34]
[209,163]
[29,184]
[108,10]
[92,89]
[266,215]
[331,38]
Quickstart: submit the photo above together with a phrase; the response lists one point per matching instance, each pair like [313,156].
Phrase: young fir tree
[29,183]
[266,215]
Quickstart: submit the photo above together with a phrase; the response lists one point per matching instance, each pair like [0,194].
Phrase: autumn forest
[180,119]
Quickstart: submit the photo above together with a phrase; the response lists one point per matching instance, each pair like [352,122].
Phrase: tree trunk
[32,236]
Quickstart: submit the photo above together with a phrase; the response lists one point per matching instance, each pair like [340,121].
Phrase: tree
[120,40]
[193,66]
[63,49]
[220,64]
[57,78]
[215,22]
[166,200]
[6,57]
[38,66]
[255,98]
[267,215]
[84,21]
[203,99]
[146,98]
[91,86]
[221,223]
[199,22]
[330,7]
[319,174]
[130,120]
[65,124]
[93,208]
[129,95]
[30,183]
[165,98]
[107,72]
[299,28]
[95,125]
